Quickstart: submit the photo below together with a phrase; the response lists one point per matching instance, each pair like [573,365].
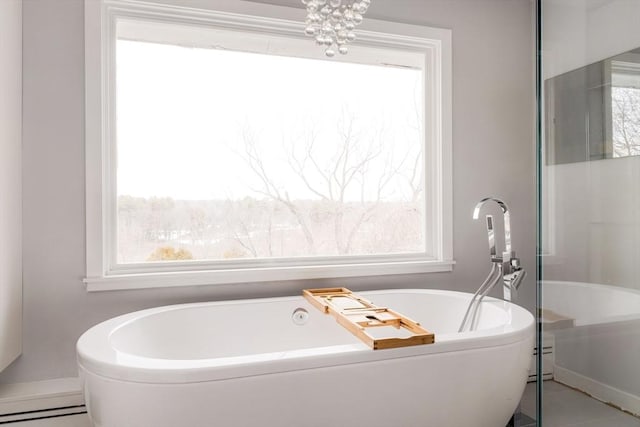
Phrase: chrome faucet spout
[506,216]
[503,206]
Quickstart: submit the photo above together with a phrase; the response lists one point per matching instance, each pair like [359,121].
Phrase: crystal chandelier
[331,22]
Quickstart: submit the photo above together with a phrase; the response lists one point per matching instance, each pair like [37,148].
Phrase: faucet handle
[518,277]
[515,262]
[492,239]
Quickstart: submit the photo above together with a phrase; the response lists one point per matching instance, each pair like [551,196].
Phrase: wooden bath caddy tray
[358,315]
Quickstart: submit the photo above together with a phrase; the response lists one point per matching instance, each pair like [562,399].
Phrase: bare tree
[270,188]
[626,121]
[198,222]
[358,163]
[349,165]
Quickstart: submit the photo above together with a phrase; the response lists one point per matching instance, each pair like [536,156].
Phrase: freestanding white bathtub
[247,363]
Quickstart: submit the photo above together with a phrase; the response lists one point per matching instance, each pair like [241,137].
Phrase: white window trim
[100,16]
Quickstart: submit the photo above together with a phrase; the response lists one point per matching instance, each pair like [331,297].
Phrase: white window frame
[100,18]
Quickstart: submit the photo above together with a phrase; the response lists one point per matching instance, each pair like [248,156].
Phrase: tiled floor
[565,407]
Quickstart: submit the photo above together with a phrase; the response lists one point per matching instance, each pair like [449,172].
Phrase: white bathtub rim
[96,355]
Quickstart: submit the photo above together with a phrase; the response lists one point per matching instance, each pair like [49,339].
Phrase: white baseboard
[41,399]
[598,390]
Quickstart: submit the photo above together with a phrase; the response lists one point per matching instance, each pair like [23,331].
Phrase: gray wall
[493,155]
[10,180]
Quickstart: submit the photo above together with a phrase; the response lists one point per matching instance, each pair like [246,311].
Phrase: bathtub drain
[300,316]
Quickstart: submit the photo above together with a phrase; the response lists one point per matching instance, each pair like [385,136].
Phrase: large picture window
[234,152]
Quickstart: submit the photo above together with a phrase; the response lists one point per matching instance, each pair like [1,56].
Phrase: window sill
[219,277]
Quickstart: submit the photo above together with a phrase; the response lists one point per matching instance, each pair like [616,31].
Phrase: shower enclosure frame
[539,160]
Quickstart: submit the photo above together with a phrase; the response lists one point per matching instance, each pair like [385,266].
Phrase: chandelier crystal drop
[331,22]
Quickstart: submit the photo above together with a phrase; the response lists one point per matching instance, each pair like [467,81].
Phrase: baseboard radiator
[547,360]
[20,418]
[24,402]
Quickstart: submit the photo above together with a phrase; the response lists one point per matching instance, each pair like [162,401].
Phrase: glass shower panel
[589,196]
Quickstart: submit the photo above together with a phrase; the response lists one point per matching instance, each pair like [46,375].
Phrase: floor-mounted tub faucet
[512,272]
[505,268]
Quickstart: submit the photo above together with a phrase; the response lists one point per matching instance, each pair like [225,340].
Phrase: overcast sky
[181,113]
